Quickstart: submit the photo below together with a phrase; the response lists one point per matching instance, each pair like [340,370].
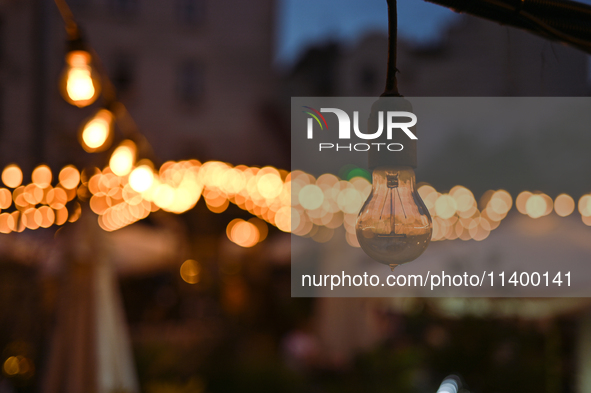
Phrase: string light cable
[131,187]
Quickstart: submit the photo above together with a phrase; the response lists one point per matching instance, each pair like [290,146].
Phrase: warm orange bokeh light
[501,202]
[536,206]
[12,176]
[283,218]
[123,158]
[42,176]
[11,366]
[564,205]
[243,233]
[521,201]
[584,202]
[96,133]
[6,223]
[190,271]
[69,177]
[79,85]
[311,197]
[270,185]
[5,198]
[141,178]
[445,206]
[262,227]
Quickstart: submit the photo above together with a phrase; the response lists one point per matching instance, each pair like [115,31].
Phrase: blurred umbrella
[90,347]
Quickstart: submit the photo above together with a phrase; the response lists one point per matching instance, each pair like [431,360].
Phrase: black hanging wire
[563,20]
[125,121]
[68,17]
[391,82]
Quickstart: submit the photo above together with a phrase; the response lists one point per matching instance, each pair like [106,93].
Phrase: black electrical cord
[391,82]
[125,121]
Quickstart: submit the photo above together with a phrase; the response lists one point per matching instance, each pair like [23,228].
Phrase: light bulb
[12,176]
[123,158]
[394,225]
[79,83]
[96,134]
[141,178]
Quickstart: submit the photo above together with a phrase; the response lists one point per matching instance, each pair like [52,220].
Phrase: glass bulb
[141,178]
[123,158]
[79,83]
[394,225]
[96,134]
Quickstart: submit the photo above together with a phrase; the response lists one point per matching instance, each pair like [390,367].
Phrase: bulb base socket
[400,150]
[76,42]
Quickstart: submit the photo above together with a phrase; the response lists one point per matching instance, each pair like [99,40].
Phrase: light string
[130,189]
[295,202]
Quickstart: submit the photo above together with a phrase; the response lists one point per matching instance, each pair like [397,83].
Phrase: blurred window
[124,7]
[190,12]
[190,82]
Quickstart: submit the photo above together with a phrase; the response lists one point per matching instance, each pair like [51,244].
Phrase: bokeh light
[96,133]
[501,202]
[12,176]
[69,177]
[521,201]
[11,366]
[42,176]
[123,158]
[584,203]
[564,205]
[445,206]
[283,218]
[141,178]
[293,202]
[190,271]
[18,366]
[536,206]
[5,198]
[311,197]
[80,87]
[243,233]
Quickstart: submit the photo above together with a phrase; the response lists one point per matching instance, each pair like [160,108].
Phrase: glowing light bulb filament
[80,85]
[394,226]
[388,228]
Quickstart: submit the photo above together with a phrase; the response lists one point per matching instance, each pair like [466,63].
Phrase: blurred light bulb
[69,177]
[96,134]
[123,158]
[12,176]
[394,226]
[79,83]
[190,271]
[141,178]
[42,176]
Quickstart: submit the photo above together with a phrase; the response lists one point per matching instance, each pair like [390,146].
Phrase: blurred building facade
[474,57]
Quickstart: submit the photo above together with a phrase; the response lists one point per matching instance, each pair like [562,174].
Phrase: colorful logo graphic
[316,117]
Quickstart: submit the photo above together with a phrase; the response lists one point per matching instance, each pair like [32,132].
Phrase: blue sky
[305,22]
